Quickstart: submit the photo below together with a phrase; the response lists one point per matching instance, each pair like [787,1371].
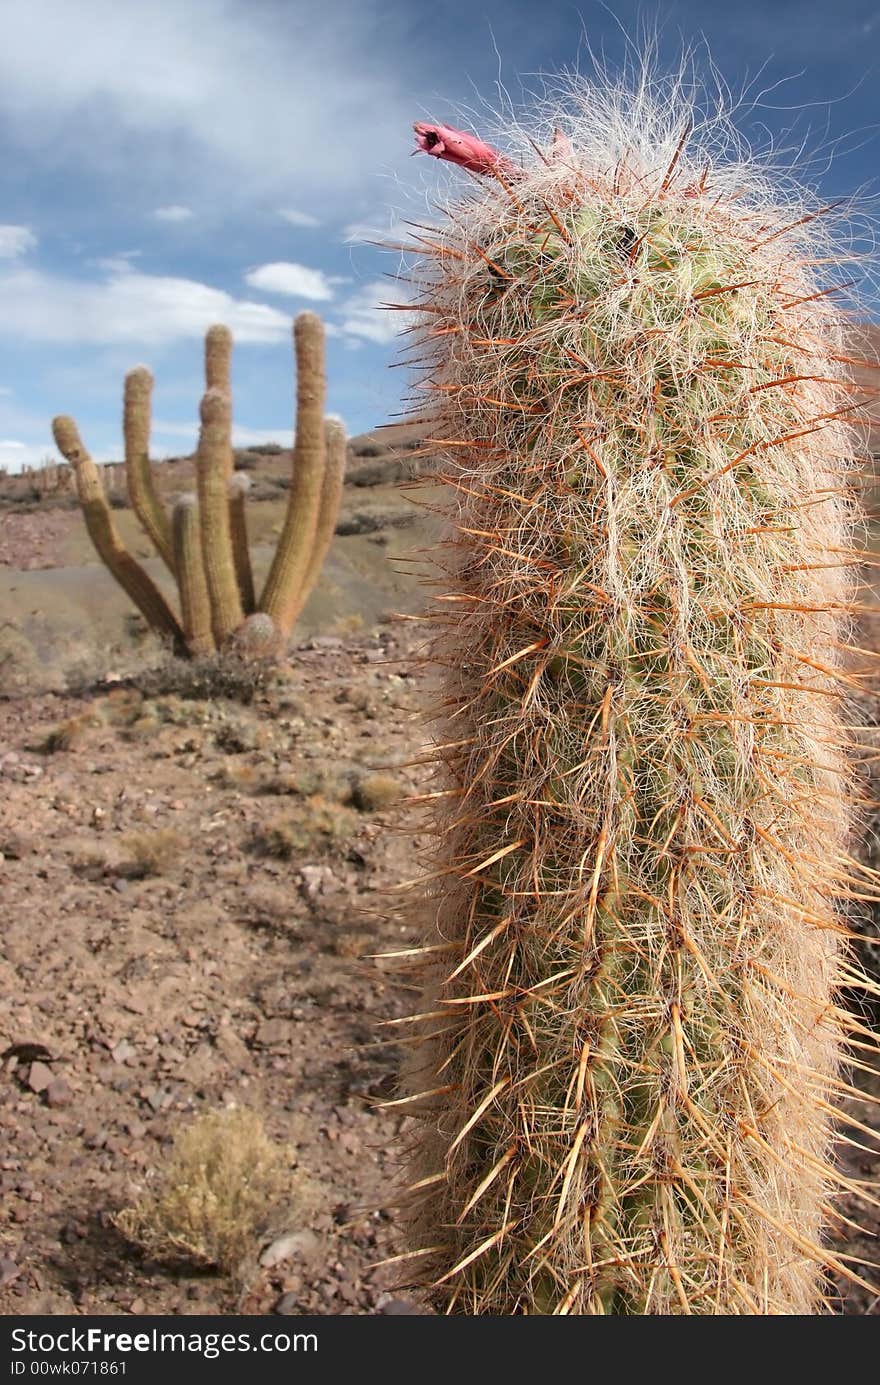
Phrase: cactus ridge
[628,1062]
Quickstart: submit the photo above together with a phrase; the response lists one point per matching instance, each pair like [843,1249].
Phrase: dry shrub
[370,793]
[314,827]
[150,853]
[242,777]
[308,782]
[215,675]
[221,1186]
[67,734]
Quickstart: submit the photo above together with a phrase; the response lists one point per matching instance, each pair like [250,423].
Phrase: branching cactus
[628,1063]
[204,541]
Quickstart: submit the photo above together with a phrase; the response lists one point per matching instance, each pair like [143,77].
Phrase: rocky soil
[191,890]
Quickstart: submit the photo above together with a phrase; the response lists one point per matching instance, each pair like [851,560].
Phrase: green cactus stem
[629,1053]
[239,485]
[328,506]
[139,474]
[282,594]
[218,359]
[195,603]
[105,536]
[213,468]
[218,367]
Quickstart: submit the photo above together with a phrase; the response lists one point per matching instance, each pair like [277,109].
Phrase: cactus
[213,469]
[135,582]
[139,474]
[239,485]
[628,1064]
[204,543]
[195,602]
[283,593]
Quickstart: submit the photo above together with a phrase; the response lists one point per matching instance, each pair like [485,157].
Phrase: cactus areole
[628,1055]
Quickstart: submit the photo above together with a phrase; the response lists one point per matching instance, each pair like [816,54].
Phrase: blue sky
[171,164]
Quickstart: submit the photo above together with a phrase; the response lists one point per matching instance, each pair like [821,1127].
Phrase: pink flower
[458,147]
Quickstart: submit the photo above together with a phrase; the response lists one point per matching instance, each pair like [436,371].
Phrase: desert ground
[195,882]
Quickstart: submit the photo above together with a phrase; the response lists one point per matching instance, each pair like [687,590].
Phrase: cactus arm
[106,537]
[218,359]
[328,509]
[218,369]
[282,593]
[141,483]
[212,471]
[195,604]
[239,485]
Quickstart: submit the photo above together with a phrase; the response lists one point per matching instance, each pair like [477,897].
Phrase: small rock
[136,1129]
[155,1097]
[272,1033]
[313,880]
[123,1051]
[58,1093]
[398,1307]
[231,1047]
[8,1271]
[286,1305]
[39,1077]
[16,845]
[137,1305]
[289,1247]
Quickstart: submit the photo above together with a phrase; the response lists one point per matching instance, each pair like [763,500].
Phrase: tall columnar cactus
[628,1058]
[204,543]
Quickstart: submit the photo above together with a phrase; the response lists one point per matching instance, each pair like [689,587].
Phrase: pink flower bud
[458,147]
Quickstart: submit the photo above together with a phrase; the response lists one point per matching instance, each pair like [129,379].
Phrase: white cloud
[294,280]
[174,438]
[127,306]
[14,455]
[173,213]
[367,315]
[15,241]
[206,100]
[113,264]
[298,218]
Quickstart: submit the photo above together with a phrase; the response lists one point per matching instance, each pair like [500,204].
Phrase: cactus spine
[628,1060]
[204,544]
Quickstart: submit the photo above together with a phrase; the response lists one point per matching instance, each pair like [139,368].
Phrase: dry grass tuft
[150,853]
[371,793]
[68,734]
[314,827]
[213,676]
[223,1183]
